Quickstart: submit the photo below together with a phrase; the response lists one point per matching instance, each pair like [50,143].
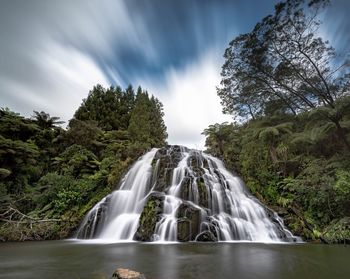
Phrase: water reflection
[67,259]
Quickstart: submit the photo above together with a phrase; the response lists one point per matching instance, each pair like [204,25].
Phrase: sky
[53,52]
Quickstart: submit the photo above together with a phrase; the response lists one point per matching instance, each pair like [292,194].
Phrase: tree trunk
[273,154]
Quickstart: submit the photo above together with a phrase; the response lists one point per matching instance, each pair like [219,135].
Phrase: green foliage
[292,91]
[293,162]
[85,133]
[109,107]
[338,231]
[45,121]
[77,161]
[47,172]
[283,66]
[146,121]
[342,185]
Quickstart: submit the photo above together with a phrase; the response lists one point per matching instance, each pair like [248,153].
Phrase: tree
[45,121]
[158,129]
[84,133]
[15,126]
[146,120]
[109,107]
[284,59]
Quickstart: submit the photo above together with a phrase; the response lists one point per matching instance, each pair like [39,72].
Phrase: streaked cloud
[190,100]
[53,52]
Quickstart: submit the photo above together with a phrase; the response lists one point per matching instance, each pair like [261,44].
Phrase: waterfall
[180,194]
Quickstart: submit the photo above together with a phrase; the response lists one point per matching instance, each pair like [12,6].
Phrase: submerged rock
[123,273]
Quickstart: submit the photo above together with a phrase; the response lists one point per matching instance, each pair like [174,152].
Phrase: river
[73,259]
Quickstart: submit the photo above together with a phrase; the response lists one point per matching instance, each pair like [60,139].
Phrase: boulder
[206,236]
[123,273]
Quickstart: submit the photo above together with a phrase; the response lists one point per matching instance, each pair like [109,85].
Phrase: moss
[150,215]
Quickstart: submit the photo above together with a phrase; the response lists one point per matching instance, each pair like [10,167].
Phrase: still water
[70,259]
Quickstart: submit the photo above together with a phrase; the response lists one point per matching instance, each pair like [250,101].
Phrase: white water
[126,204]
[237,216]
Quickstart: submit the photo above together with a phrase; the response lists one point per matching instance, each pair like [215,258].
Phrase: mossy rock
[150,215]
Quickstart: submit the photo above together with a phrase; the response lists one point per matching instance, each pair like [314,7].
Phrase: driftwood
[18,226]
[13,215]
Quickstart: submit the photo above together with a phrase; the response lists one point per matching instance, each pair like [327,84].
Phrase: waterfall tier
[180,194]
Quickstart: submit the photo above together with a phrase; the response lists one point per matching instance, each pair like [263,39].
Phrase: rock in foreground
[123,273]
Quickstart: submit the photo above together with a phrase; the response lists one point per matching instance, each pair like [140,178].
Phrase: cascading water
[178,194]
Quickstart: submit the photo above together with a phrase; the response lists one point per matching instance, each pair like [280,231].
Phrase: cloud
[190,100]
[68,77]
[51,55]
[53,52]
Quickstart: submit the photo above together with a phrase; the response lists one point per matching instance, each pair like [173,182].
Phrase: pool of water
[73,259]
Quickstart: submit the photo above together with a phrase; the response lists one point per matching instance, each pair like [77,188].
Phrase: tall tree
[109,107]
[158,129]
[146,121]
[284,59]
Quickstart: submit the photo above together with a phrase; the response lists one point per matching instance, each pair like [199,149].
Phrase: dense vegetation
[289,92]
[50,176]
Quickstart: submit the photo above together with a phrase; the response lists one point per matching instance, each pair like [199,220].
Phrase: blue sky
[53,52]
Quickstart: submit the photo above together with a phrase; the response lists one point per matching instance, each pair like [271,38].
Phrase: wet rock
[196,164]
[166,160]
[151,214]
[184,230]
[206,236]
[94,221]
[188,224]
[123,273]
[203,192]
[186,188]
